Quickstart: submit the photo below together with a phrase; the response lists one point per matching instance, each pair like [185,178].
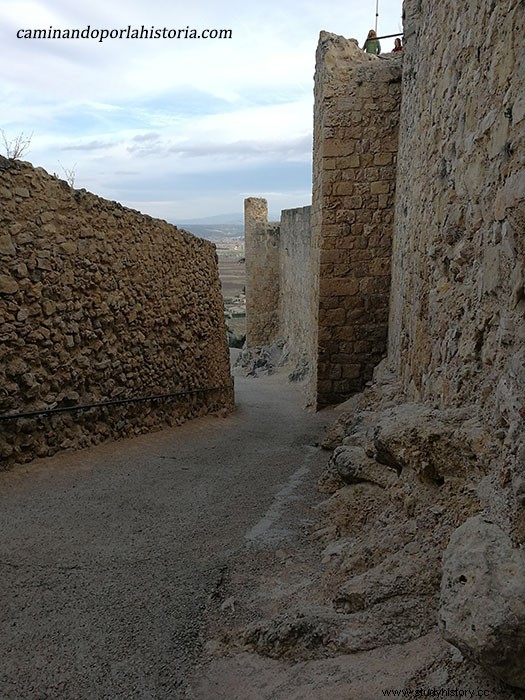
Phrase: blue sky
[179,129]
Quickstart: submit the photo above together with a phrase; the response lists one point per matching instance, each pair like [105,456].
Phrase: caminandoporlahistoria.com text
[128,32]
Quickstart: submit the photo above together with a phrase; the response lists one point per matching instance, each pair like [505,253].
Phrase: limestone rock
[482,605]
[262,359]
[6,245]
[8,285]
[401,574]
[354,466]
[437,445]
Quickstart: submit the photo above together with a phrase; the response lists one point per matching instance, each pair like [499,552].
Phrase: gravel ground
[111,558]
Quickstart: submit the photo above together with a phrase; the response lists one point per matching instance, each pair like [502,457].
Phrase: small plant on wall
[17,147]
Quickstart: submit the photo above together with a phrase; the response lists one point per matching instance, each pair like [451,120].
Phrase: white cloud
[138,107]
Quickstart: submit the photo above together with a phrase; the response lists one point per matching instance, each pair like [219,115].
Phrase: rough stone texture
[457,296]
[458,300]
[354,466]
[446,409]
[438,436]
[356,116]
[261,244]
[278,289]
[334,280]
[439,445]
[262,359]
[100,303]
[482,606]
[295,322]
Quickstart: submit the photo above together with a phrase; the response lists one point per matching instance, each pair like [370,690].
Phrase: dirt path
[197,564]
[114,560]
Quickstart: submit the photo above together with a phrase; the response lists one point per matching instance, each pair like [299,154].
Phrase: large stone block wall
[356,122]
[99,303]
[261,243]
[457,328]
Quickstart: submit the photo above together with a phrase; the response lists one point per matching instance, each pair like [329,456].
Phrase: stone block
[343,188]
[383,158]
[380,187]
[332,317]
[482,605]
[352,371]
[336,149]
[8,285]
[348,163]
[340,287]
[354,466]
[331,256]
[7,247]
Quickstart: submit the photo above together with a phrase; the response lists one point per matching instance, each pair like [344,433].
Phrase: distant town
[214,232]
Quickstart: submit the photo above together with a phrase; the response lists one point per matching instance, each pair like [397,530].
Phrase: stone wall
[427,484]
[278,282]
[99,303]
[356,122]
[261,244]
[444,418]
[295,303]
[457,328]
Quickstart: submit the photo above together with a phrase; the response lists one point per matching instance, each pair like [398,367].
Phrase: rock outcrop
[482,606]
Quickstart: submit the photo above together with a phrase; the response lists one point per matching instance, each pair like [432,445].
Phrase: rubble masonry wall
[99,303]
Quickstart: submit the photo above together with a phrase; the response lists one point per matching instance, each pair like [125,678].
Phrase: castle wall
[278,281]
[99,303]
[295,299]
[261,244]
[356,121]
[457,329]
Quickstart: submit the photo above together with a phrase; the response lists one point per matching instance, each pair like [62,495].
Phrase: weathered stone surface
[262,359]
[437,445]
[262,274]
[451,421]
[8,285]
[102,302]
[354,466]
[295,300]
[356,119]
[457,306]
[482,604]
[6,245]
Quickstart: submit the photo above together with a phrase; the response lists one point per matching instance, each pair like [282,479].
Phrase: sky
[180,129]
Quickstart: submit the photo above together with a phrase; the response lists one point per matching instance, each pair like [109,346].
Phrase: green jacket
[373,46]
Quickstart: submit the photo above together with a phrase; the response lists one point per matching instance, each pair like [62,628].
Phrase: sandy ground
[188,565]
[111,558]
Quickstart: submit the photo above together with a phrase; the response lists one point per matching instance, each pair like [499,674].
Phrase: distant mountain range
[237,219]
[214,232]
[218,227]
[215,228]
